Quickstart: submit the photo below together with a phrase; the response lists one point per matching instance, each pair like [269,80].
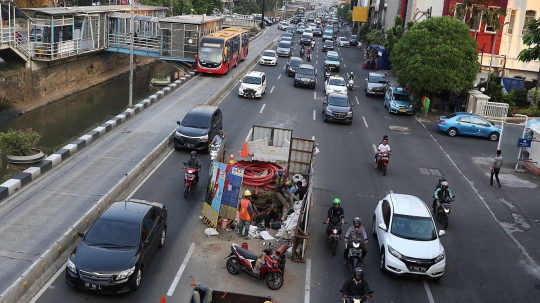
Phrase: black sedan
[117,247]
[337,108]
[353,40]
[328,45]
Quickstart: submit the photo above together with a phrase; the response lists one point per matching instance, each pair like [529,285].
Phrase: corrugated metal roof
[191,19]
[94,9]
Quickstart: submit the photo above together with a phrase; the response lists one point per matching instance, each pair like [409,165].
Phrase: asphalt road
[490,257]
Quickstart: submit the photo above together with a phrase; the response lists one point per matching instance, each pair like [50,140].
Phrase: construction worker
[245,214]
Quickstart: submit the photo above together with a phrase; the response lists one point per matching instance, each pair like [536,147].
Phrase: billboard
[360,14]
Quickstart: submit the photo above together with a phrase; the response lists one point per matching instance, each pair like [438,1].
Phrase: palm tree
[478,11]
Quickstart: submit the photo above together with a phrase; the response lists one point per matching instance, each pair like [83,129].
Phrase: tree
[532,40]
[393,34]
[31,3]
[478,11]
[375,36]
[434,55]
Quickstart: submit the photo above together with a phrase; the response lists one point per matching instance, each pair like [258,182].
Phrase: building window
[475,19]
[489,28]
[529,15]
[511,20]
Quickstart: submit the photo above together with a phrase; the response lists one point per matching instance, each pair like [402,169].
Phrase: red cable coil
[252,171]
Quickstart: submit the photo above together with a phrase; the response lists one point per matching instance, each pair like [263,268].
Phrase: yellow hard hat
[247,193]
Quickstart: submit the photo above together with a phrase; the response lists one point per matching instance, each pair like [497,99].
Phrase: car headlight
[241,90]
[410,105]
[328,111]
[204,138]
[394,104]
[125,274]
[177,134]
[394,252]
[349,114]
[71,266]
[439,258]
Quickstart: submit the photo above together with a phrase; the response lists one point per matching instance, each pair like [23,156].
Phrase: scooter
[355,254]
[308,57]
[358,299]
[334,236]
[350,83]
[382,163]
[442,210]
[271,267]
[189,180]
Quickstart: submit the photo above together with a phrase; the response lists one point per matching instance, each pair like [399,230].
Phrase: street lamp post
[492,51]
[131,59]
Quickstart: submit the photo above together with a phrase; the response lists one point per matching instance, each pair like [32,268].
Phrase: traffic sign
[524,142]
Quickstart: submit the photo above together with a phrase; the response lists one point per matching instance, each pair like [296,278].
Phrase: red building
[486,34]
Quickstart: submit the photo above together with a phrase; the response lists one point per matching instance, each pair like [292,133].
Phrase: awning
[135,17]
[9,4]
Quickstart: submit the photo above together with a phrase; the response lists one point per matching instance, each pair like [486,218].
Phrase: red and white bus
[222,50]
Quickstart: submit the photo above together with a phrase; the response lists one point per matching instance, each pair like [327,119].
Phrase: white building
[519,12]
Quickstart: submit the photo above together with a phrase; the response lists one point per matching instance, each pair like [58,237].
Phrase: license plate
[190,145]
[402,110]
[418,269]
[93,286]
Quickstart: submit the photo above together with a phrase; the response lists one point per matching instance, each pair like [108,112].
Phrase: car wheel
[494,136]
[294,84]
[138,278]
[382,263]
[163,238]
[373,228]
[452,132]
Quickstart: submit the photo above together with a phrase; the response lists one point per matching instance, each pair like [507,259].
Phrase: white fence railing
[231,21]
[494,111]
[6,34]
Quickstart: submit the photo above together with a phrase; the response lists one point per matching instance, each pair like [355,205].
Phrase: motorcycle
[355,254]
[350,83]
[382,163]
[442,210]
[271,268]
[189,180]
[357,299]
[326,75]
[313,45]
[308,57]
[301,54]
[334,236]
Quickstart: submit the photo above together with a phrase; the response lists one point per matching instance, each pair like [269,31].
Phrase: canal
[65,120]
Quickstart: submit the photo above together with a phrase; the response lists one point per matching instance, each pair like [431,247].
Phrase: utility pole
[262,15]
[132,30]
[492,51]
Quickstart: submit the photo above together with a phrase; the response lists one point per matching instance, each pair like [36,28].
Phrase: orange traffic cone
[231,159]
[244,152]
[162,299]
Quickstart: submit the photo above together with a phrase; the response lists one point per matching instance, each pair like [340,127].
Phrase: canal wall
[26,90]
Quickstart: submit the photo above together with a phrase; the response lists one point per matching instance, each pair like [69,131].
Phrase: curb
[49,262]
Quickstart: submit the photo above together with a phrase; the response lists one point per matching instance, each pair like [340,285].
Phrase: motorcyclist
[356,232]
[355,286]
[313,44]
[385,137]
[383,147]
[302,50]
[335,212]
[441,193]
[194,162]
[309,53]
[351,76]
[218,139]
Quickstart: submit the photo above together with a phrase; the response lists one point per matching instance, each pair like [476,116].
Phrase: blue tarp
[512,83]
[383,60]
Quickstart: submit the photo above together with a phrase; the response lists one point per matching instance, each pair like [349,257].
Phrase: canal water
[63,121]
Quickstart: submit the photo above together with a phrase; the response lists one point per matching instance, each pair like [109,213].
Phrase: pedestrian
[245,214]
[445,98]
[458,104]
[425,105]
[201,293]
[496,167]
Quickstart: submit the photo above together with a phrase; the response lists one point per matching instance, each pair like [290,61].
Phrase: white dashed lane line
[272,89]
[314,113]
[356,100]
[265,105]
[363,118]
[279,76]
[315,95]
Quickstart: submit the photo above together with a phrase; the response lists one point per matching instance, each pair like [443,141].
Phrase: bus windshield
[211,52]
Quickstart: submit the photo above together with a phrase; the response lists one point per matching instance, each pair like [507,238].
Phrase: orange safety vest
[244,207]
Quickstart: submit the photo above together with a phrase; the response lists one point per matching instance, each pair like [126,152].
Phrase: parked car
[375,84]
[292,65]
[337,108]
[37,34]
[353,40]
[253,85]
[332,60]
[463,123]
[343,42]
[283,25]
[268,57]
[306,75]
[398,100]
[284,49]
[200,124]
[118,247]
[335,84]
[408,240]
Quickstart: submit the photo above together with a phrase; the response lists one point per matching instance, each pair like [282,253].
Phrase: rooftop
[94,9]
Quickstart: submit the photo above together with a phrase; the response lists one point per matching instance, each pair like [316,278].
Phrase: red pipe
[281,250]
[252,171]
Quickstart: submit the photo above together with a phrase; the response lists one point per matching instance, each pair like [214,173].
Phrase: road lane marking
[314,113]
[314,95]
[45,287]
[279,76]
[428,291]
[374,148]
[262,108]
[364,118]
[316,62]
[344,65]
[284,66]
[149,174]
[308,281]
[391,191]
[181,270]
[272,89]
[313,138]
[356,100]
[249,134]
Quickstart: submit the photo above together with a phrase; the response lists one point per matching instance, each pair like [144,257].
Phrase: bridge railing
[6,34]
[154,43]
[53,51]
[231,21]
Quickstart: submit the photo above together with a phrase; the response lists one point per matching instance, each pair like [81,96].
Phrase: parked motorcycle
[443,210]
[355,254]
[358,299]
[308,57]
[382,163]
[270,269]
[334,236]
[189,180]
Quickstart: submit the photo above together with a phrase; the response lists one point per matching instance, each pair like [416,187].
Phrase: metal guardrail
[494,111]
[143,42]
[231,21]
[6,34]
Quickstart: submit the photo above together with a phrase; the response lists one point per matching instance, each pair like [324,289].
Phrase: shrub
[19,143]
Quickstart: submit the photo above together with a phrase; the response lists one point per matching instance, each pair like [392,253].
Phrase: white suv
[253,85]
[408,240]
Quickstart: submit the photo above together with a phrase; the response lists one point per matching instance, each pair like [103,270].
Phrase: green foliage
[363,31]
[494,90]
[520,96]
[478,11]
[534,94]
[31,3]
[532,40]
[343,12]
[393,35]
[375,36]
[19,143]
[434,55]
[510,97]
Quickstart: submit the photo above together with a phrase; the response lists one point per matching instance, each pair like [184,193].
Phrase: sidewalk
[42,214]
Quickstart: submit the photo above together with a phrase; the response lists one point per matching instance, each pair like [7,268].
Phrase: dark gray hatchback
[199,126]
[306,76]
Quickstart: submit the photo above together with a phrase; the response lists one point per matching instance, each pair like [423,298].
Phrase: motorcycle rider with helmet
[194,162]
[302,50]
[441,179]
[355,286]
[309,53]
[313,44]
[351,76]
[356,232]
[441,193]
[335,212]
[218,139]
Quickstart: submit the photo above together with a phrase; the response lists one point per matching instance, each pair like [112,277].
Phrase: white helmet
[352,73]
[444,183]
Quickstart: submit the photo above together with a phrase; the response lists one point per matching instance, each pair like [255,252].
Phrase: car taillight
[442,121]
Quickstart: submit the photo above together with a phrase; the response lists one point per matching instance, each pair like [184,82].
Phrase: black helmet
[220,132]
[359,272]
[194,153]
[357,220]
[442,179]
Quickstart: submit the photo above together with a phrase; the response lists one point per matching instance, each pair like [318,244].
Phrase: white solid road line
[314,113]
[149,174]
[356,100]
[428,291]
[279,76]
[272,89]
[249,134]
[48,284]
[374,148]
[314,95]
[308,281]
[181,270]
[364,118]
[263,106]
